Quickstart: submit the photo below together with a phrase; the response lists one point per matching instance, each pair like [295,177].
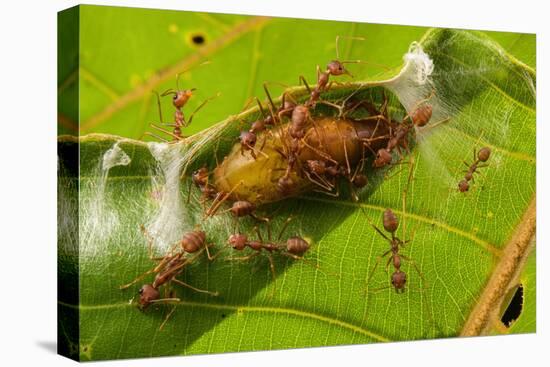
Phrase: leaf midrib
[246,308]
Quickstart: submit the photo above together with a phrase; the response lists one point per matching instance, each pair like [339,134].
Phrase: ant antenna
[188,69]
[346,37]
[355,61]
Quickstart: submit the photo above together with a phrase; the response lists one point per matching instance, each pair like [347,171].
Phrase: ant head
[383,157]
[238,241]
[147,294]
[200,176]
[463,186]
[181,97]
[316,166]
[297,245]
[334,171]
[390,221]
[335,67]
[422,115]
[398,280]
[258,125]
[484,154]
[285,185]
[288,105]
[248,139]
[360,181]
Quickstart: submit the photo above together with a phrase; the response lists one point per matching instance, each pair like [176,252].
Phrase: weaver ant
[399,277]
[168,268]
[479,157]
[180,97]
[399,133]
[294,247]
[249,137]
[391,223]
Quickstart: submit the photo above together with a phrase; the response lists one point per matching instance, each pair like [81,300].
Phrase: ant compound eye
[140,291]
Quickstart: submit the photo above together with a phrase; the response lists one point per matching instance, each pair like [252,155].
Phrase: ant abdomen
[390,221]
[297,245]
[193,241]
[422,115]
[242,208]
[484,154]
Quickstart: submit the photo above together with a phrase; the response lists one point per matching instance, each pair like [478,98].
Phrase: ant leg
[154,136]
[149,240]
[199,107]
[125,286]
[320,152]
[258,234]
[378,259]
[284,227]
[176,137]
[434,125]
[167,317]
[330,193]
[273,275]
[216,205]
[212,258]
[353,192]
[177,281]
[318,183]
[244,258]
[260,219]
[413,263]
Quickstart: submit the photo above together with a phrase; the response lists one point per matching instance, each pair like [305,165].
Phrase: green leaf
[461,242]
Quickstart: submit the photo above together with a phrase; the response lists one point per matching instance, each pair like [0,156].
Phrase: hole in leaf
[198,39]
[513,311]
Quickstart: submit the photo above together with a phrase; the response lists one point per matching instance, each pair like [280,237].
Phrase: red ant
[391,223]
[481,156]
[248,138]
[419,117]
[295,247]
[399,277]
[200,178]
[179,100]
[170,265]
